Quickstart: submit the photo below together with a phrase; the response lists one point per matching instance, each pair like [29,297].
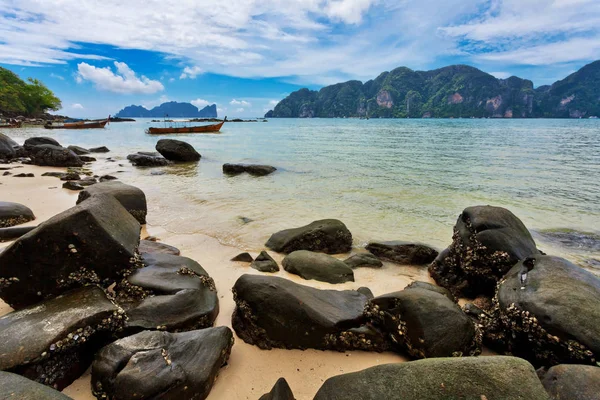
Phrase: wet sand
[250,372]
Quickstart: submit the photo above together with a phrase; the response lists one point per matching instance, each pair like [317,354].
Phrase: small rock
[145,159]
[176,150]
[24,175]
[72,185]
[12,214]
[87,158]
[243,257]
[403,252]
[70,176]
[6,173]
[78,150]
[328,236]
[363,260]
[281,391]
[318,266]
[105,178]
[101,149]
[252,169]
[265,263]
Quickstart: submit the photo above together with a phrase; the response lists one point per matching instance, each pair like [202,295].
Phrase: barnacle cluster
[7,222]
[6,282]
[206,281]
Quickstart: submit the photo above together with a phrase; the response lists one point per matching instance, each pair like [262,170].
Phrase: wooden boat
[79,125]
[17,124]
[187,129]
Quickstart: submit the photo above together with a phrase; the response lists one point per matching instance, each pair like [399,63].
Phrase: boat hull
[11,126]
[190,129]
[79,125]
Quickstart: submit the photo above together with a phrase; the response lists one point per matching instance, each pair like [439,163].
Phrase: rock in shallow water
[92,242]
[252,169]
[176,150]
[142,159]
[265,263]
[12,214]
[487,242]
[130,197]
[152,365]
[363,260]
[16,387]
[54,156]
[403,252]
[53,342]
[567,381]
[318,266]
[327,236]
[101,149]
[469,378]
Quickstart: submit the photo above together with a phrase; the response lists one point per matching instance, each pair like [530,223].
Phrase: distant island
[171,109]
[456,91]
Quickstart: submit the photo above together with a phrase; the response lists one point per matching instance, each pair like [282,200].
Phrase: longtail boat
[17,124]
[79,125]
[187,129]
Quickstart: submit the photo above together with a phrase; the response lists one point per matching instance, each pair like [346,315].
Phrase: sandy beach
[250,372]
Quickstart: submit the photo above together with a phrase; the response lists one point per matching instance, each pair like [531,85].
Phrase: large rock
[130,197]
[161,365]
[12,214]
[252,169]
[7,148]
[142,159]
[92,242]
[403,252]
[487,242]
[281,391]
[425,323]
[363,260]
[317,266]
[39,141]
[577,382]
[53,342]
[546,310]
[171,293]
[265,263]
[275,312]
[176,150]
[468,378]
[149,246]
[80,151]
[328,236]
[54,156]
[13,386]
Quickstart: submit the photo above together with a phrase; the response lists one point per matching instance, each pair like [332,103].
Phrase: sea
[386,179]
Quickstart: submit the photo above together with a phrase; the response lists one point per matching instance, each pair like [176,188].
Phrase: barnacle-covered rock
[327,236]
[469,378]
[12,214]
[53,342]
[153,365]
[93,242]
[486,243]
[130,197]
[403,252]
[546,310]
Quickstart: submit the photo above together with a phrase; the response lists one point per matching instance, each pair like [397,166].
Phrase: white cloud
[239,110]
[244,103]
[201,103]
[124,80]
[501,75]
[191,72]
[53,75]
[77,106]
[171,79]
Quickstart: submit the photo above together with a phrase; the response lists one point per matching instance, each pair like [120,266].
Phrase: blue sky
[245,55]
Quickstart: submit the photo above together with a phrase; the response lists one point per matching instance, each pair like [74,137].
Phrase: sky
[246,55]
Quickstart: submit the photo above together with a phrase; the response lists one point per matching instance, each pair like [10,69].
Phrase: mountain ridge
[171,109]
[447,92]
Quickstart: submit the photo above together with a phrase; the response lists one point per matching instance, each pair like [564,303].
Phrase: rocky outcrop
[152,365]
[546,310]
[13,386]
[53,342]
[487,242]
[363,260]
[130,197]
[12,214]
[317,266]
[92,242]
[328,236]
[54,156]
[577,382]
[473,378]
[265,263]
[142,159]
[403,252]
[281,391]
[176,150]
[252,169]
[170,293]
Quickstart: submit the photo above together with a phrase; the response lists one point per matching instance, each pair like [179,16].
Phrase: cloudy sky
[245,55]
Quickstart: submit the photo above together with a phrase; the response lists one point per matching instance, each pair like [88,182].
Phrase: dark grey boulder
[363,260]
[24,175]
[281,391]
[252,169]
[142,159]
[243,257]
[265,263]
[55,174]
[93,242]
[13,386]
[275,312]
[53,342]
[546,310]
[7,148]
[425,323]
[12,214]
[73,185]
[429,286]
[105,178]
[130,197]
[153,365]
[487,242]
[570,239]
[149,246]
[70,176]
[14,232]
[403,252]
[327,236]
[78,150]
[176,150]
[39,141]
[468,378]
[87,158]
[170,293]
[571,381]
[101,149]
[317,266]
[54,156]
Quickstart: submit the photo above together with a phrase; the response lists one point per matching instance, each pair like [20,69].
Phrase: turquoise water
[386,179]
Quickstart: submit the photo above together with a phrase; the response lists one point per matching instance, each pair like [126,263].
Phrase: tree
[38,98]
[31,97]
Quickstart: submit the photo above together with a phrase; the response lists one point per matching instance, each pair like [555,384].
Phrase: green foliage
[31,97]
[453,91]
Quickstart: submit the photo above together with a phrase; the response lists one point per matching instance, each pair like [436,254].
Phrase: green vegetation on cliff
[453,91]
[29,98]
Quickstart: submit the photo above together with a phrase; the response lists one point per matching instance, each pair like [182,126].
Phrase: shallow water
[386,179]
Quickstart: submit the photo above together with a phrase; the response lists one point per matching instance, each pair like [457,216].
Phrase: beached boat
[79,125]
[187,129]
[17,124]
